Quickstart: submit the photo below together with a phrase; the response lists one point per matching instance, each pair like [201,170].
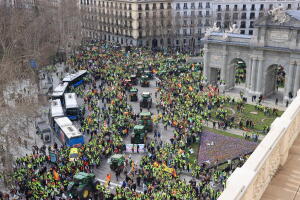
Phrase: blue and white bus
[67,133]
[56,110]
[75,79]
[71,105]
[59,91]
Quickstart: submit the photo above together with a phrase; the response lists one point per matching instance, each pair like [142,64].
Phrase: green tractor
[146,101]
[133,94]
[117,162]
[138,135]
[145,81]
[145,120]
[83,186]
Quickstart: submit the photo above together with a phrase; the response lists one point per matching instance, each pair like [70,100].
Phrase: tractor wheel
[85,192]
[96,184]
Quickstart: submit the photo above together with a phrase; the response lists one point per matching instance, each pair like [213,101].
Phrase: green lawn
[249,113]
[221,132]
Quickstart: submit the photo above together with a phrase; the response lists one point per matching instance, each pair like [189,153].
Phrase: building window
[251,24]
[192,5]
[185,6]
[169,6]
[219,16]
[242,31]
[253,7]
[207,13]
[244,7]
[185,13]
[244,16]
[207,5]
[252,15]
[250,32]
[200,5]
[270,6]
[177,42]
[184,32]
[261,7]
[219,24]
[192,13]
[227,16]
[154,6]
[161,6]
[219,8]
[140,7]
[177,6]
[129,6]
[200,13]
[147,7]
[140,15]
[243,24]
[235,7]
[235,16]
[227,7]
[289,6]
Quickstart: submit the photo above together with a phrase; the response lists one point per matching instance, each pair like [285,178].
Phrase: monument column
[206,67]
[253,75]
[297,79]
[289,81]
[260,76]
[248,74]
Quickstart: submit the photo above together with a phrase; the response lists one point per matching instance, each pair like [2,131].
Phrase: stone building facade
[179,24]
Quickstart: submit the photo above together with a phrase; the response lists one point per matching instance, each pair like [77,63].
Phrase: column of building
[289,80]
[248,74]
[297,79]
[260,73]
[253,75]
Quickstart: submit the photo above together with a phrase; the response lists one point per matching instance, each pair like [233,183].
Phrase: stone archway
[275,81]
[236,73]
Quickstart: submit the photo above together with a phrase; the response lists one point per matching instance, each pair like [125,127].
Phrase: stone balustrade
[251,180]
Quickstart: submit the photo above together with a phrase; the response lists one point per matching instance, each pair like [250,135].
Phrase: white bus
[71,105]
[75,79]
[56,110]
[67,133]
[58,92]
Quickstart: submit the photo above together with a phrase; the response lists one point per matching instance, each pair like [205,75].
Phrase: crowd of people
[185,102]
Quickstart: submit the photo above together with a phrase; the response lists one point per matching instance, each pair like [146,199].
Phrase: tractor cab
[139,71]
[145,120]
[138,135]
[145,81]
[117,162]
[146,101]
[149,74]
[134,80]
[83,186]
[133,94]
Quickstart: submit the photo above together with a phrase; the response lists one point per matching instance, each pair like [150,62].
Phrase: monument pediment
[280,18]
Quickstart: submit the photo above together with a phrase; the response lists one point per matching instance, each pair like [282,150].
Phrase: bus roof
[71,131]
[63,121]
[60,89]
[56,108]
[71,77]
[71,100]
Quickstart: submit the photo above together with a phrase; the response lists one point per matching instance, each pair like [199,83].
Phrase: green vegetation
[249,112]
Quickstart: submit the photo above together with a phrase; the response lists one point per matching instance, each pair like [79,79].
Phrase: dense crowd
[185,102]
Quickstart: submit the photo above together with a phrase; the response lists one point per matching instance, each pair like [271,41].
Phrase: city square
[109,119]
